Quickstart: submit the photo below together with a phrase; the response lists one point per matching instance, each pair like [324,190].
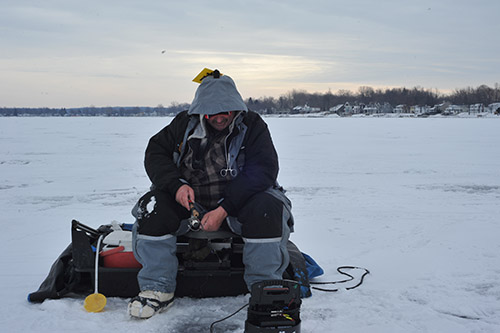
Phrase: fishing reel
[194,222]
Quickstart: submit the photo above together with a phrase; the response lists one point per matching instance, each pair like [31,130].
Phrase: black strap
[152,302]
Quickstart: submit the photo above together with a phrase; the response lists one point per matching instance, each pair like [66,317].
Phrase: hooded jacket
[250,151]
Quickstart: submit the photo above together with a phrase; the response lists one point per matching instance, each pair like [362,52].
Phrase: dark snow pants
[262,223]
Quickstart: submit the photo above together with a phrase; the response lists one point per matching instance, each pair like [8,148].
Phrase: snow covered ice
[415,201]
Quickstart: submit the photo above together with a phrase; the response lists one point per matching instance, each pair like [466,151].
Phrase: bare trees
[416,96]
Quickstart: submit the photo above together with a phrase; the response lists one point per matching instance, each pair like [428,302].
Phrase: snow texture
[415,201]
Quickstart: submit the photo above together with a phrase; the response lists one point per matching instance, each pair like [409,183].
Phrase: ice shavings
[150,207]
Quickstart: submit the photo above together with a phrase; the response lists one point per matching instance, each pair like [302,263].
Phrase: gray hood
[216,95]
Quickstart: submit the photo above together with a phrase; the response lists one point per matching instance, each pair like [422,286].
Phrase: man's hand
[183,195]
[212,220]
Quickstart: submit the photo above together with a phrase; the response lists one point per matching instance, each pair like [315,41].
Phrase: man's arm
[158,161]
[260,170]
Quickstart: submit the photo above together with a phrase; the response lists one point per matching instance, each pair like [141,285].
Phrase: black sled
[210,265]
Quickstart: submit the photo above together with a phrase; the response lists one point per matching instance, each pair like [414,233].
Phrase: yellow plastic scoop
[95,302]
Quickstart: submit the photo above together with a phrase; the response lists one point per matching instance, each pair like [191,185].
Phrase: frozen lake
[415,201]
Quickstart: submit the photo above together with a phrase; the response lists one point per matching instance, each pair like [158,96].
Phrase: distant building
[439,108]
[494,108]
[418,110]
[401,108]
[454,109]
[476,108]
[305,109]
[339,108]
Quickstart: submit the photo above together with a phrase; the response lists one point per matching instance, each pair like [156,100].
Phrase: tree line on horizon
[365,95]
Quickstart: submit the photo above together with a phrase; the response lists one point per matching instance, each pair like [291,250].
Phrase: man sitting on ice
[221,156]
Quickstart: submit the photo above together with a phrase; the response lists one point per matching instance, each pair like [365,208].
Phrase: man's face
[220,121]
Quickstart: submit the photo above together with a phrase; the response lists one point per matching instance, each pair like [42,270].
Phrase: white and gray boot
[148,303]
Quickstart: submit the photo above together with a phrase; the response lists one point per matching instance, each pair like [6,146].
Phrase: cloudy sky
[64,53]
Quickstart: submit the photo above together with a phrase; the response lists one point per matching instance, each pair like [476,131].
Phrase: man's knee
[157,214]
[262,217]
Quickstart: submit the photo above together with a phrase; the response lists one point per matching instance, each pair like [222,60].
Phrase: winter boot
[148,303]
